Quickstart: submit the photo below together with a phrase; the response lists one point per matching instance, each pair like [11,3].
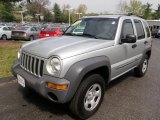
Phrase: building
[154,25]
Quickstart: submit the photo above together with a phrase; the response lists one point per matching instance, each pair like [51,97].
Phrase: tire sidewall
[145,58]
[31,38]
[138,70]
[4,36]
[91,80]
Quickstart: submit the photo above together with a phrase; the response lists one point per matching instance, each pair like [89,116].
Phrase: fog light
[57,87]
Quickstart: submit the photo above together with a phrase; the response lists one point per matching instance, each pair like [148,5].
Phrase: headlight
[54,66]
[19,54]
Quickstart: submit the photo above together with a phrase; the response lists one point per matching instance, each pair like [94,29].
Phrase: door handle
[134,46]
[145,42]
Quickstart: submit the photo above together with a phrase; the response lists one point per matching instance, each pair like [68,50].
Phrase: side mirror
[129,39]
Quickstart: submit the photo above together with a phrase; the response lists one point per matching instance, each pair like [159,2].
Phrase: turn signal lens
[57,87]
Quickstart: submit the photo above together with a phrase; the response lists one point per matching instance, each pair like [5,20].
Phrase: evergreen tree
[157,12]
[147,11]
[57,13]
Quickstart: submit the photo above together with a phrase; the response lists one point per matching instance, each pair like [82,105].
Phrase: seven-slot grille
[32,64]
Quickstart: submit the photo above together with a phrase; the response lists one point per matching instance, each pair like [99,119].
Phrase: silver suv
[76,67]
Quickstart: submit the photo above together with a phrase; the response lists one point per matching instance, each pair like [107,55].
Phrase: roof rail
[130,14]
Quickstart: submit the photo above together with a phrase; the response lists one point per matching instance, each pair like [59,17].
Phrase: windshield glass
[50,29]
[99,28]
[23,28]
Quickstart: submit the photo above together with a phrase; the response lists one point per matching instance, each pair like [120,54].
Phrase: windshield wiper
[89,35]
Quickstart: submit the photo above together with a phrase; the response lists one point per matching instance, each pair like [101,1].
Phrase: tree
[135,6]
[6,13]
[65,13]
[57,13]
[48,17]
[40,8]
[10,1]
[41,2]
[157,12]
[147,11]
[122,7]
[82,8]
[7,10]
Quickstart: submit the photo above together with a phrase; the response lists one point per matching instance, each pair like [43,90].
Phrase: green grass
[8,53]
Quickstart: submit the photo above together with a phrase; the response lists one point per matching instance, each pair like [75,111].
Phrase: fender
[147,50]
[144,53]
[78,70]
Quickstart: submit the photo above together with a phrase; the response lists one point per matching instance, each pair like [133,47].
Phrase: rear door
[130,50]
[141,38]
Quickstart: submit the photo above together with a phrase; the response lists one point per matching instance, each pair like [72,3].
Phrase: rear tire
[141,70]
[88,97]
[4,37]
[31,38]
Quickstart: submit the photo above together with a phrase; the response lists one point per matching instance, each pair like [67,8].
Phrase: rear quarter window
[147,29]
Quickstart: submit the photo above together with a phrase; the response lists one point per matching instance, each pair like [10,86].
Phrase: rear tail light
[24,34]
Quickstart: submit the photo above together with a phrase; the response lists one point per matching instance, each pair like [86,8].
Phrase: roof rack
[130,14]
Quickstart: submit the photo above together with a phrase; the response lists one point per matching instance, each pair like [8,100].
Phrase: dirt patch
[9,43]
[10,82]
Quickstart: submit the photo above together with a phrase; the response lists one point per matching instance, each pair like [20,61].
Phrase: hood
[65,46]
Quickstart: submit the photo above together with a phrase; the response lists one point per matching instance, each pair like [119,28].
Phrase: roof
[104,16]
[112,16]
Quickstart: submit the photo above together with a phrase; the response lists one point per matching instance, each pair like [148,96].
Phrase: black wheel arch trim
[145,53]
[77,71]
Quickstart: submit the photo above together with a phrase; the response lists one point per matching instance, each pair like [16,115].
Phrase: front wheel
[141,70]
[31,38]
[4,37]
[88,97]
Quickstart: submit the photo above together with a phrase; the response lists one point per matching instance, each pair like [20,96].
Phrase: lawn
[8,53]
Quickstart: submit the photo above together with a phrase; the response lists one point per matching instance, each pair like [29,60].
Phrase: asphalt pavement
[127,98]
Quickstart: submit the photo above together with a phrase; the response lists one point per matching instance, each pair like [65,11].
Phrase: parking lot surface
[127,98]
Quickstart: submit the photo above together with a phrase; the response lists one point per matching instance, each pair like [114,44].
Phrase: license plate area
[21,80]
[47,35]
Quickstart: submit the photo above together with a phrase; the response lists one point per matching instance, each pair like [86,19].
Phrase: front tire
[4,37]
[31,38]
[141,70]
[88,97]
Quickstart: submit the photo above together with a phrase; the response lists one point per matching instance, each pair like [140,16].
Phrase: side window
[36,28]
[6,29]
[147,29]
[139,28]
[33,29]
[127,28]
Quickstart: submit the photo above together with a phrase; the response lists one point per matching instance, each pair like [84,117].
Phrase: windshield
[50,29]
[23,28]
[99,28]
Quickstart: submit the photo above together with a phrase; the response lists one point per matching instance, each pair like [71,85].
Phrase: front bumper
[40,84]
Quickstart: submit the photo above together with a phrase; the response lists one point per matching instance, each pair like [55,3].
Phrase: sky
[99,6]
